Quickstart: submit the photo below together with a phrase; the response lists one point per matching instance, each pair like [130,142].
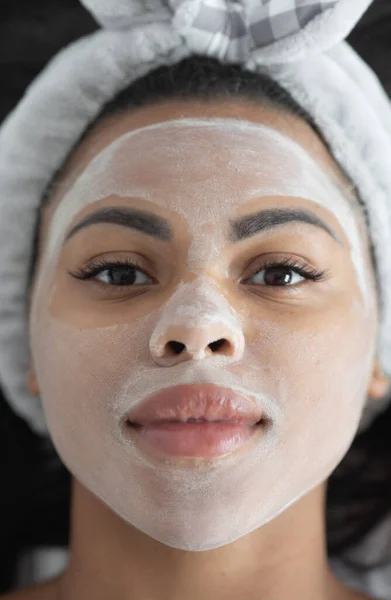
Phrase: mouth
[199,421]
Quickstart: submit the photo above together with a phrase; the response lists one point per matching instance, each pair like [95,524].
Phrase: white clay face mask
[304,360]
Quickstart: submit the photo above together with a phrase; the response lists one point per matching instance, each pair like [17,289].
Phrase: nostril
[221,344]
[177,347]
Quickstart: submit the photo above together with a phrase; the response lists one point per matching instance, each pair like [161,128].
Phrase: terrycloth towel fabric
[298,42]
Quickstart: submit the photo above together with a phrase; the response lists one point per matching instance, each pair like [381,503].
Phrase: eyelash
[310,273]
[100,265]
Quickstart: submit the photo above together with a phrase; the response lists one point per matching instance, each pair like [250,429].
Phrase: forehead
[203,151]
[186,163]
[110,129]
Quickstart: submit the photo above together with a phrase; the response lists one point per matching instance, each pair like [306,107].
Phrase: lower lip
[194,439]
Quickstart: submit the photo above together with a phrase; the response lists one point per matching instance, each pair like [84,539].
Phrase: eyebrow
[240,229]
[255,223]
[141,220]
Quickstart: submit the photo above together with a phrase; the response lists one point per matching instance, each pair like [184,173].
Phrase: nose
[180,343]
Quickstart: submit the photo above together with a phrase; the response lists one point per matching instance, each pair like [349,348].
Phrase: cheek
[81,373]
[318,369]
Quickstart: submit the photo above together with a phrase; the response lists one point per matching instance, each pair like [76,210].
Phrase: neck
[285,559]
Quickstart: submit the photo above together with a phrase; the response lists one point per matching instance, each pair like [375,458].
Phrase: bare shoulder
[39,591]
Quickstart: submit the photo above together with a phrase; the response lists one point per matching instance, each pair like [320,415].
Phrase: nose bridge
[196,322]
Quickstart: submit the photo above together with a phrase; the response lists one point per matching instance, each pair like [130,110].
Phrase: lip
[159,423]
[203,401]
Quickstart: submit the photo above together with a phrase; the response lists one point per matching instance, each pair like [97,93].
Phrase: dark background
[34,491]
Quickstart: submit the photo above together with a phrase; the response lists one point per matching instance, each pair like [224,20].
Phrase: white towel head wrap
[299,43]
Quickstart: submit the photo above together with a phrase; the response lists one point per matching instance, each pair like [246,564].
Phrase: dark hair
[358,492]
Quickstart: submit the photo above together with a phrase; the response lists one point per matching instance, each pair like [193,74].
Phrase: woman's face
[233,189]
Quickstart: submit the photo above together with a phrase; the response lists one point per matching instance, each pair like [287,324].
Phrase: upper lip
[204,401]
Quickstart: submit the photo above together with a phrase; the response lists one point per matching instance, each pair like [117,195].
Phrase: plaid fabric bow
[232,29]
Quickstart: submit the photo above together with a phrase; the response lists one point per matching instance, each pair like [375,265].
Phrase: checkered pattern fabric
[237,31]
[225,29]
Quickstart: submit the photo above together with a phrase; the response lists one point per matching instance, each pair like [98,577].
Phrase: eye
[284,273]
[277,276]
[114,273]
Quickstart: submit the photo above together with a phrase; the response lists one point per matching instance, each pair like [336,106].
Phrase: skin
[286,557]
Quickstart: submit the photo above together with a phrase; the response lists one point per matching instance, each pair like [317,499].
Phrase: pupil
[122,275]
[278,276]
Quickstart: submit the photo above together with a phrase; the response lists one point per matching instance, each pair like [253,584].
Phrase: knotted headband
[299,43]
